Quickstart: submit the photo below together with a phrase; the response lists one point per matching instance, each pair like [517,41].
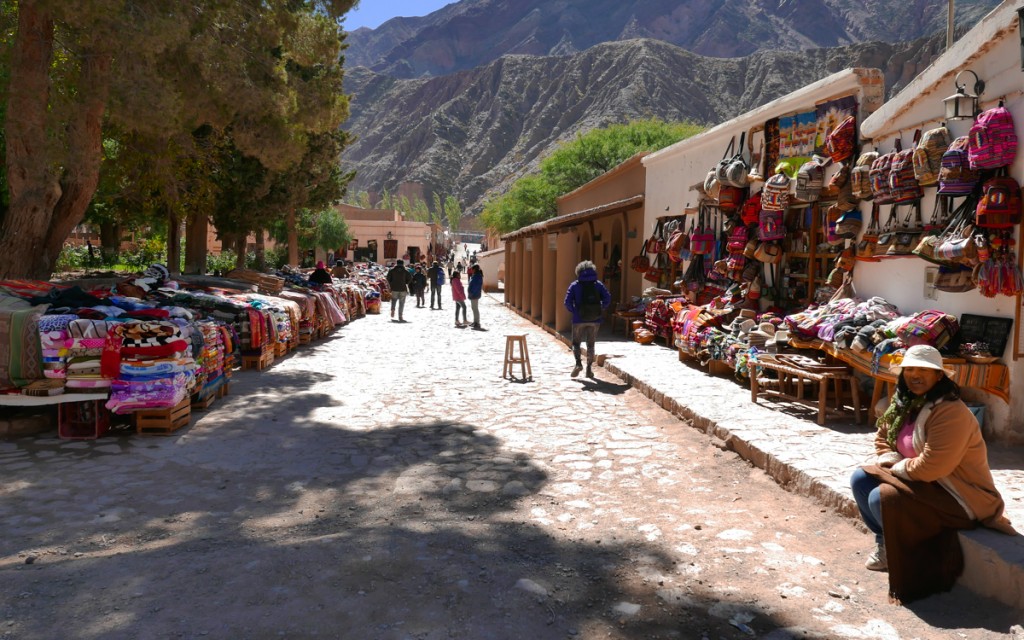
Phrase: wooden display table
[792,379]
[992,378]
[74,422]
[627,318]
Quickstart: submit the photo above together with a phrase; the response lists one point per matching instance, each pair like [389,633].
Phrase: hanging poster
[771,146]
[829,115]
[796,138]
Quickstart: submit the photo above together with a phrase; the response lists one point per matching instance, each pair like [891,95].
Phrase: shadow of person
[600,386]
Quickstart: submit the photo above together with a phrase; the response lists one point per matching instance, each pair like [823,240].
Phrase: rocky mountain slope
[472,132]
[472,33]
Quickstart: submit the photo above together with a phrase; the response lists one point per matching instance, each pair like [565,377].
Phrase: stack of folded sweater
[88,338]
[154,364]
[55,341]
[210,363]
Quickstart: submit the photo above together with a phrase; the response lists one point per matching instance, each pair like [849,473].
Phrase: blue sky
[373,13]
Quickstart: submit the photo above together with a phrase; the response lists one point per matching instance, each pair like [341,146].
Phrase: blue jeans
[869,501]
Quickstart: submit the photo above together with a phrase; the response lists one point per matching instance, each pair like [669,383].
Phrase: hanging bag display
[868,244]
[992,142]
[888,233]
[927,246]
[769,253]
[775,194]
[733,171]
[655,244]
[903,184]
[841,141]
[702,241]
[908,233]
[860,179]
[1000,204]
[928,156]
[954,279]
[956,177]
[879,175]
[640,264]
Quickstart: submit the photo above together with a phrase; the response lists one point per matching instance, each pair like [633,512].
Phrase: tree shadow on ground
[305,528]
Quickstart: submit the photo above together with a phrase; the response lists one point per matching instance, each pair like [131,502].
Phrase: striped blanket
[21,359]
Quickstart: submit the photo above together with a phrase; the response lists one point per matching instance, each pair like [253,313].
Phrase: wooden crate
[204,404]
[280,349]
[224,389]
[305,338]
[163,422]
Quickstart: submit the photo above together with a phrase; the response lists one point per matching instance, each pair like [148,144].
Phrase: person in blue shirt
[586,299]
[475,291]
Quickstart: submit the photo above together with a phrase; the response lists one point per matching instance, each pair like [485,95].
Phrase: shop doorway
[613,269]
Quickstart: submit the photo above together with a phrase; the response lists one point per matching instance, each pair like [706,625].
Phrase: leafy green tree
[453,213]
[533,197]
[155,68]
[324,229]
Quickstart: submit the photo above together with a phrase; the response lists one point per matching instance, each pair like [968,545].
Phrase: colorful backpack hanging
[879,175]
[841,141]
[702,241]
[810,180]
[730,197]
[732,172]
[775,193]
[770,225]
[1000,205]
[992,142]
[956,177]
[903,184]
[737,239]
[928,156]
[860,179]
[751,210]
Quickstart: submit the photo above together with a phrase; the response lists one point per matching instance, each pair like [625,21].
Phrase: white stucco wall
[992,50]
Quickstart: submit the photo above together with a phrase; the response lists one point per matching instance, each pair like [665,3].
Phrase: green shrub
[142,254]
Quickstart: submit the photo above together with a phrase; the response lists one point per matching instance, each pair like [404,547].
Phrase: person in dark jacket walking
[586,299]
[399,281]
[476,290]
[419,286]
[435,278]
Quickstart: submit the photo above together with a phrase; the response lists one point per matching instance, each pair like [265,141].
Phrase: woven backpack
[903,185]
[840,142]
[810,180]
[956,177]
[860,180]
[879,175]
[775,193]
[1000,205]
[992,140]
[931,326]
[928,156]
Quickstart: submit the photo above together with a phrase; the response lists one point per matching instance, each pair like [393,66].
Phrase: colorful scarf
[904,406]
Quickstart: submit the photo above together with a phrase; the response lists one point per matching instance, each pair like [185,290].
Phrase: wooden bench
[791,381]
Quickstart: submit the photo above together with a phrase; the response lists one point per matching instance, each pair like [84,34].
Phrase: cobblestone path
[388,483]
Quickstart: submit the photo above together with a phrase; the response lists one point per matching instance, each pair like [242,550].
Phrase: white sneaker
[576,371]
[877,561]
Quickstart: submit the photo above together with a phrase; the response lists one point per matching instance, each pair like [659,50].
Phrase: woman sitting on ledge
[931,478]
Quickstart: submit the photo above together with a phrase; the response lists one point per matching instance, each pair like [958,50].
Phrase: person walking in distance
[586,299]
[419,286]
[435,276]
[399,281]
[476,290]
[459,297]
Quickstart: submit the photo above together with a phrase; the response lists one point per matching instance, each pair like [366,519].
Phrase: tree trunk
[196,230]
[173,241]
[46,206]
[110,242]
[293,240]
[241,241]
[261,250]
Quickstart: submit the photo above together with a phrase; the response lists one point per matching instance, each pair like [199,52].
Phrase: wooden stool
[511,359]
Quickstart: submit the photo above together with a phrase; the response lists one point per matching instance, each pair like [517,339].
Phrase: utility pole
[949,26]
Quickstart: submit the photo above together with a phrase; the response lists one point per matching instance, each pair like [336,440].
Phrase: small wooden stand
[163,422]
[258,361]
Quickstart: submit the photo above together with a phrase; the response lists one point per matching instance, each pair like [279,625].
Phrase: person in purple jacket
[586,299]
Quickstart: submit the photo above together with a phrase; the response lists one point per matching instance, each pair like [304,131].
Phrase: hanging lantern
[963,105]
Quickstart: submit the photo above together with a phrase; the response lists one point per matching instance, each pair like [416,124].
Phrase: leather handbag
[769,253]
[954,279]
[887,234]
[640,264]
[908,232]
[868,244]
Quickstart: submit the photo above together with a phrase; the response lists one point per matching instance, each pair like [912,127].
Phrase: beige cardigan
[951,451]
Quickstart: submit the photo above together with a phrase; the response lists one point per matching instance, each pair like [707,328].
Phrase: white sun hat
[924,356]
